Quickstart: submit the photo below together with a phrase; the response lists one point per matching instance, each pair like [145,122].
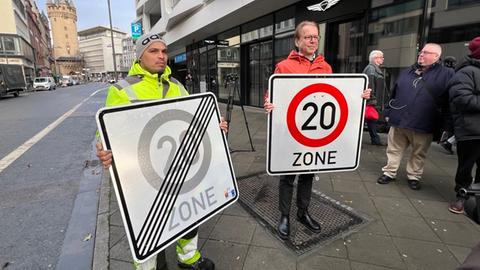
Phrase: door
[344,45]
[260,69]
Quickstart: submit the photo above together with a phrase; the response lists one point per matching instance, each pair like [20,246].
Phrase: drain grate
[259,194]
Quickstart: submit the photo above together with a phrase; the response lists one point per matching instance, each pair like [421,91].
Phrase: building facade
[248,38]
[63,20]
[15,46]
[128,53]
[96,49]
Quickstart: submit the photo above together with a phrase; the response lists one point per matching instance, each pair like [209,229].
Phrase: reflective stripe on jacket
[141,85]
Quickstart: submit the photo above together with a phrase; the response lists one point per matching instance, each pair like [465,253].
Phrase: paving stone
[360,202]
[427,193]
[264,238]
[225,255]
[116,218]
[395,206]
[388,190]
[376,226]
[436,210]
[425,255]
[322,184]
[374,249]
[335,249]
[351,175]
[323,263]
[234,229]
[120,265]
[348,186]
[121,250]
[206,228]
[116,234]
[460,253]
[236,210]
[364,266]
[410,227]
[269,259]
[456,233]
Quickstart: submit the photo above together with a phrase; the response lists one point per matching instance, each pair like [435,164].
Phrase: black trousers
[468,153]
[304,192]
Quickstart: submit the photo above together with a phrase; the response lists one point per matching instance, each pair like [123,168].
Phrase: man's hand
[366,93]
[267,105]
[223,124]
[105,156]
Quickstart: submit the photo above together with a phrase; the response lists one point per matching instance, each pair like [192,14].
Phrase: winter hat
[145,41]
[474,47]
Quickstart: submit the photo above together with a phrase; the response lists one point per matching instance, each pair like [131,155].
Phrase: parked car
[44,83]
[67,81]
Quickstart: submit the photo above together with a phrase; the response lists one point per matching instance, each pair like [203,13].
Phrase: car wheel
[16,94]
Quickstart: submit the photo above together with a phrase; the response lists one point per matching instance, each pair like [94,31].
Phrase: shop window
[394,29]
[228,65]
[461,3]
[10,45]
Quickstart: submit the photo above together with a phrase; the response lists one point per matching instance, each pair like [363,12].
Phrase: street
[45,171]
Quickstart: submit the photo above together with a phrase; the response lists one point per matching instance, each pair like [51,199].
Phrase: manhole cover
[259,194]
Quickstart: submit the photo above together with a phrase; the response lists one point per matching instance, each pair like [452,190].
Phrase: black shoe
[283,228]
[309,222]
[414,184]
[201,264]
[385,179]
[378,143]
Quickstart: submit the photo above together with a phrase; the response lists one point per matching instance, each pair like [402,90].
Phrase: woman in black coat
[464,91]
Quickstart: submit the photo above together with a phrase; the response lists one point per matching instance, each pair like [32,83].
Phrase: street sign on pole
[171,168]
[316,125]
[136,30]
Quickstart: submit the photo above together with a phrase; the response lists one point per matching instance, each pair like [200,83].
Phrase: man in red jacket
[301,61]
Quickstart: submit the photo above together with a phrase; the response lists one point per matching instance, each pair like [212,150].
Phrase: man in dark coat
[418,105]
[465,107]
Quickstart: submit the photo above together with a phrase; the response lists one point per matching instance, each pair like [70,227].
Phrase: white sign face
[171,168]
[316,124]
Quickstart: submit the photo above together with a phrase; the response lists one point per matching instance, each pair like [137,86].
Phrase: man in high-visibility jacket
[150,78]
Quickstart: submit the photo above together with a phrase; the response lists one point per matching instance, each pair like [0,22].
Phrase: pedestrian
[150,78]
[376,82]
[417,110]
[448,138]
[303,60]
[464,90]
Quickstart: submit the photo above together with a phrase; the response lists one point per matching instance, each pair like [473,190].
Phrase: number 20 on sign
[316,123]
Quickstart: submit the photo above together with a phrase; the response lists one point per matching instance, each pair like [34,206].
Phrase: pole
[113,45]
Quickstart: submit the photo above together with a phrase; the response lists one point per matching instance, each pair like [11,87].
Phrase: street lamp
[113,44]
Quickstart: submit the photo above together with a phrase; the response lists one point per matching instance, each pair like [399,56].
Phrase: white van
[44,83]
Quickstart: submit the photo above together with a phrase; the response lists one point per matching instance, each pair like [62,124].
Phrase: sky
[92,13]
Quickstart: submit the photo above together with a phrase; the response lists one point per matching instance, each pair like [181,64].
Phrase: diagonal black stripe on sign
[179,175]
[185,169]
[175,177]
[148,224]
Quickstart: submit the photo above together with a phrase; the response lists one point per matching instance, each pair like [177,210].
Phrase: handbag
[371,113]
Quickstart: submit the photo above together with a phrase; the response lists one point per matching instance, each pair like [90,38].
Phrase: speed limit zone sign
[316,124]
[171,168]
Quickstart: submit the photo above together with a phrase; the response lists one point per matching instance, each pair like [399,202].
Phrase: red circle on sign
[292,108]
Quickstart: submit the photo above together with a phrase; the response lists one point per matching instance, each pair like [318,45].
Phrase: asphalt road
[42,190]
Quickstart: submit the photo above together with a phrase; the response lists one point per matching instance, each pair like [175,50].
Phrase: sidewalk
[409,229]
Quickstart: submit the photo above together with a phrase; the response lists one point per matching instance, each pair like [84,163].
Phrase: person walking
[150,78]
[464,90]
[303,60]
[419,107]
[376,82]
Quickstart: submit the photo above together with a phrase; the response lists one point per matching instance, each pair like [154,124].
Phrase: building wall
[7,20]
[128,56]
[63,21]
[96,47]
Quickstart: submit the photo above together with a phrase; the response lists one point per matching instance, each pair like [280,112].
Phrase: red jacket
[297,63]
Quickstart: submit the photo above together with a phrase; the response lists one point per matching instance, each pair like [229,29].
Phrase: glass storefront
[348,31]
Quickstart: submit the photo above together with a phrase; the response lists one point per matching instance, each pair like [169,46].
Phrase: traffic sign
[171,168]
[136,30]
[316,124]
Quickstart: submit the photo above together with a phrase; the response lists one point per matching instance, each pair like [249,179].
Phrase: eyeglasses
[311,38]
[426,52]
[379,57]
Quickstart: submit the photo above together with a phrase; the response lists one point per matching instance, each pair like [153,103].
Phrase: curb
[102,234]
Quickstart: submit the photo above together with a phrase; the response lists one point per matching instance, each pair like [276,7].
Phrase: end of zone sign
[316,125]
